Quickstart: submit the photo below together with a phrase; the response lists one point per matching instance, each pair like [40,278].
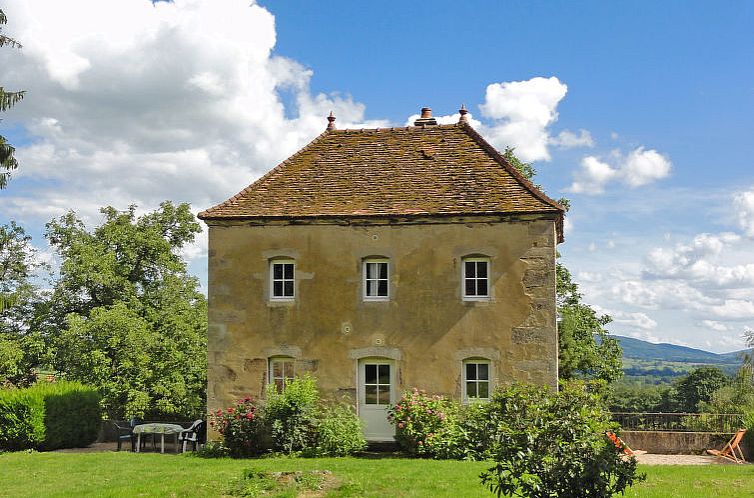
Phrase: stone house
[380,260]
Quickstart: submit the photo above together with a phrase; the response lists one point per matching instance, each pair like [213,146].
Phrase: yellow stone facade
[425,328]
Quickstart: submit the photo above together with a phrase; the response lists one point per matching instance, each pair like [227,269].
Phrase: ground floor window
[476,383]
[281,370]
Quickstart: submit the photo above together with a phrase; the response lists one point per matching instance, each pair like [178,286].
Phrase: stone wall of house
[426,327]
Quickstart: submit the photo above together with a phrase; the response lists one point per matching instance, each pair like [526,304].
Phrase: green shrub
[241,427]
[290,414]
[553,444]
[72,414]
[211,449]
[22,415]
[338,432]
[48,416]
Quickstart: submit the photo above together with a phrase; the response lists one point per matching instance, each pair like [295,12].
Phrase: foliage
[642,399]
[419,419]
[585,350]
[22,416]
[737,396]
[338,432]
[526,169]
[211,449]
[241,427]
[18,263]
[290,414]
[124,315]
[49,416]
[553,444]
[72,414]
[699,387]
[7,100]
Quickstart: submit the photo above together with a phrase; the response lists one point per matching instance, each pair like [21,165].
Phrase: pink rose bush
[240,426]
[422,422]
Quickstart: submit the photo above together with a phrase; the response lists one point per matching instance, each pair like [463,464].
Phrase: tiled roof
[417,170]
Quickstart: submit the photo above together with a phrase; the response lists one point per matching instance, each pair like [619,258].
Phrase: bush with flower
[422,422]
[241,427]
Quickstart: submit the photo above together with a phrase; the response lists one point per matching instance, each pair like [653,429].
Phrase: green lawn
[127,474]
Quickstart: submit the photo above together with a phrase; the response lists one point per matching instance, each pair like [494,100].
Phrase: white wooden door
[376,395]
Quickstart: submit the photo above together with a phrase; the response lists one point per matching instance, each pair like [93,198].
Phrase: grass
[124,474]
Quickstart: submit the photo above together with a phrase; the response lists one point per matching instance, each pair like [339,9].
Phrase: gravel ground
[651,459]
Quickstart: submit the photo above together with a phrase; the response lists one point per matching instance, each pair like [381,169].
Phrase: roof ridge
[395,128]
[265,177]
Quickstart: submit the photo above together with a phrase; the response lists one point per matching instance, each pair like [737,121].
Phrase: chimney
[426,119]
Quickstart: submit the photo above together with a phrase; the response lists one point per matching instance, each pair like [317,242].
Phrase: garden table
[157,428]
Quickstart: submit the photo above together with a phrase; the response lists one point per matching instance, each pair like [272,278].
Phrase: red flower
[249,416]
[231,410]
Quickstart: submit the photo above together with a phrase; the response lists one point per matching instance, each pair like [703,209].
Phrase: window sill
[272,303]
[477,299]
[376,299]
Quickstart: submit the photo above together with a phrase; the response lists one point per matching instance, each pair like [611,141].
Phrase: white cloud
[717,326]
[521,112]
[137,103]
[634,319]
[645,166]
[700,261]
[593,177]
[639,167]
[567,139]
[744,205]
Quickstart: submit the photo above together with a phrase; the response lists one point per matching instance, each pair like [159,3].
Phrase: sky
[641,113]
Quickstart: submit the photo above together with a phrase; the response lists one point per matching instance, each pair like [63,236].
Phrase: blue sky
[640,112]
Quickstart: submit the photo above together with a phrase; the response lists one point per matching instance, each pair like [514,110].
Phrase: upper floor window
[281,371]
[282,279]
[476,278]
[476,379]
[376,280]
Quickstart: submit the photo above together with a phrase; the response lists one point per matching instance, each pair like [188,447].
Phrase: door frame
[360,391]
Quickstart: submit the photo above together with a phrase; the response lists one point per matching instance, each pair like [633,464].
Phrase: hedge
[48,416]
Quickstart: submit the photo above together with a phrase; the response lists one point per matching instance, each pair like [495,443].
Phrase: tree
[585,348]
[7,100]
[17,265]
[698,387]
[125,316]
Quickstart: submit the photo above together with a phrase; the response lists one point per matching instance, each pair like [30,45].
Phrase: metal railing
[679,422]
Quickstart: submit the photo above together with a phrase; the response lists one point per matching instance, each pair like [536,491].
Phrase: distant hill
[643,350]
[649,363]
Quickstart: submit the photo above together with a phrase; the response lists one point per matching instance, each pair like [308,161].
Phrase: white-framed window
[281,370]
[476,278]
[376,279]
[282,279]
[476,379]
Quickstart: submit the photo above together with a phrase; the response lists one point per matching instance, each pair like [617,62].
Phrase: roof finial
[463,112]
[331,121]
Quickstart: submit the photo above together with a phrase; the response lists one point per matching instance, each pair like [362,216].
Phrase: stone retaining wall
[677,443]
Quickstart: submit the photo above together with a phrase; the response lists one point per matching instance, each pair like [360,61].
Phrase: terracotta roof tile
[433,170]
